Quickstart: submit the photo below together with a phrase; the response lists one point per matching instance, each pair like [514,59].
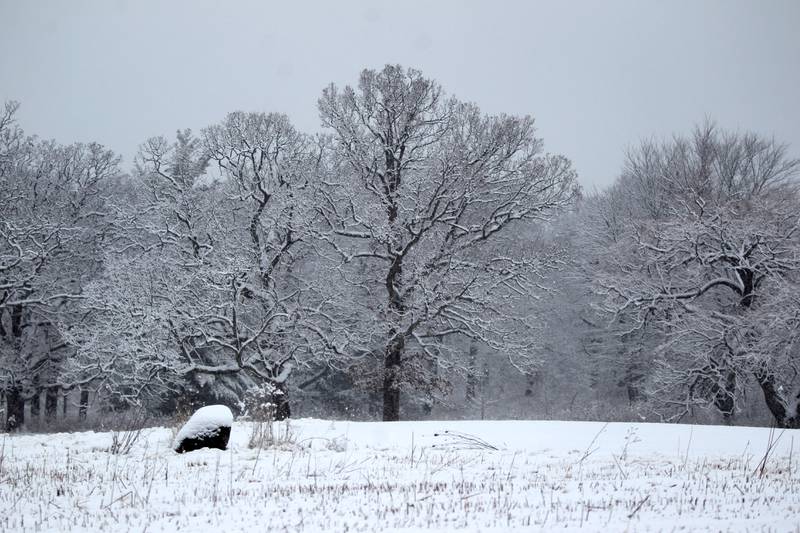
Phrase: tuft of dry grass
[124,439]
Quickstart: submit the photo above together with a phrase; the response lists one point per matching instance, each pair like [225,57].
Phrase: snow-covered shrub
[258,405]
[258,402]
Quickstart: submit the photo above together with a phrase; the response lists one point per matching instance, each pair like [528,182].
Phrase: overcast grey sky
[597,76]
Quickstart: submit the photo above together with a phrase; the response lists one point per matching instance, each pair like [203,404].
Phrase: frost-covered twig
[463,441]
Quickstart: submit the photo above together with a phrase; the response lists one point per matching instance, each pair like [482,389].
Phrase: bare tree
[423,212]
[208,283]
[706,249]
[52,221]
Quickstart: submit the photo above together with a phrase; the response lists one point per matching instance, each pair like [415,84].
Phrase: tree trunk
[777,404]
[36,404]
[391,387]
[65,402]
[282,410]
[472,373]
[633,375]
[15,409]
[84,404]
[51,405]
[394,350]
[281,400]
[483,380]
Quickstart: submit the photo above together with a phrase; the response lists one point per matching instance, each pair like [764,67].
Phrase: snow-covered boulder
[209,427]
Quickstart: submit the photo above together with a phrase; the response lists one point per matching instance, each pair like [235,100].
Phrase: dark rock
[217,438]
[209,427]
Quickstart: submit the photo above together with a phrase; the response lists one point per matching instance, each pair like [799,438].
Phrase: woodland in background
[417,259]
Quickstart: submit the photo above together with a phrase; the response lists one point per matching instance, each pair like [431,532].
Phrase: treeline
[417,258]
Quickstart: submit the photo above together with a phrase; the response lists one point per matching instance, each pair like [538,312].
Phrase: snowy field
[410,476]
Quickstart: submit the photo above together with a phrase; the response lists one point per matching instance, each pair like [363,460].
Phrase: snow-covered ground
[410,476]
